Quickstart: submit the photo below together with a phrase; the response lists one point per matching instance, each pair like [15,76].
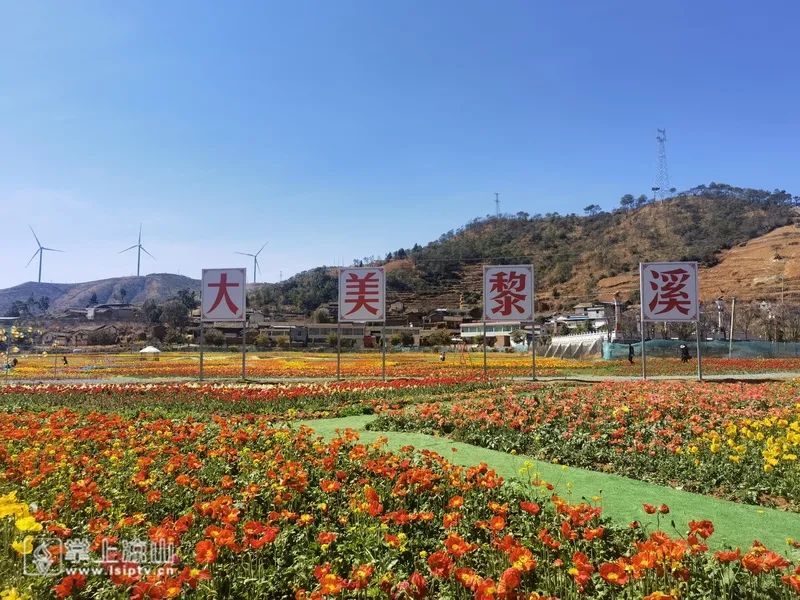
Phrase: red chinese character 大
[362,292]
[509,290]
[668,287]
[222,293]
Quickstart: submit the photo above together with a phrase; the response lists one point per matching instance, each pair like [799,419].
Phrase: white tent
[149,352]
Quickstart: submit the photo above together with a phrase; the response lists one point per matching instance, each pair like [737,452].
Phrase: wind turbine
[139,253]
[255,259]
[40,252]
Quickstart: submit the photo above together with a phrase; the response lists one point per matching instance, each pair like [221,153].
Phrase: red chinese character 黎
[222,293]
[668,286]
[509,286]
[362,292]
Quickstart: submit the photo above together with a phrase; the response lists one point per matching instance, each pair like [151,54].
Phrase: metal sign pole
[641,320]
[644,353]
[699,353]
[338,350]
[244,346]
[533,350]
[383,351]
[730,331]
[485,375]
[201,348]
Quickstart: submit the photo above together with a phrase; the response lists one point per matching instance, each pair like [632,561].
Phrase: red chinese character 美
[222,293]
[362,292]
[668,286]
[509,286]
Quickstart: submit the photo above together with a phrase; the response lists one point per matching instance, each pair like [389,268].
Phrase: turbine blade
[34,235]
[262,247]
[146,252]
[140,233]
[244,253]
[32,257]
[126,249]
[51,249]
[258,266]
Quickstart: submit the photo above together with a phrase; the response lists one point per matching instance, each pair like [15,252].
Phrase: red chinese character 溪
[362,292]
[222,293]
[509,286]
[668,286]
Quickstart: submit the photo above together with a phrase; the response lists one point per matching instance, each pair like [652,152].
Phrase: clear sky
[340,129]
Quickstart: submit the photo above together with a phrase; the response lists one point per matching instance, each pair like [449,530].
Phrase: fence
[671,348]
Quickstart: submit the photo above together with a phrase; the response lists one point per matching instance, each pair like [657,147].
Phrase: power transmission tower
[662,189]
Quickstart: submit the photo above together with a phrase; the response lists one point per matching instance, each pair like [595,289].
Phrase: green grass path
[622,498]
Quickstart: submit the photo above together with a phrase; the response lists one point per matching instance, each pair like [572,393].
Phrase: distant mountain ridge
[747,242]
[585,257]
[156,286]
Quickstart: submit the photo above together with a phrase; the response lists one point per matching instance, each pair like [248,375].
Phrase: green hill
[571,253]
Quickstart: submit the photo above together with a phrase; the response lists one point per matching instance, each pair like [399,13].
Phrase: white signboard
[362,294]
[669,291]
[508,293]
[223,295]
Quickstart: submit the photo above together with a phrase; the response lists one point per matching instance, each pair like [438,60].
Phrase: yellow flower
[28,524]
[25,546]
[12,594]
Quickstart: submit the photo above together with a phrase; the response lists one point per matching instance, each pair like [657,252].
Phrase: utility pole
[497,204]
[662,173]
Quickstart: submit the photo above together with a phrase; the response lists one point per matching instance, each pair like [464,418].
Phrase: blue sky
[343,129]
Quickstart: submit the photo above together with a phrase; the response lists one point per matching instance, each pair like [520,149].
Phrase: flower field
[737,441]
[297,365]
[241,503]
[258,510]
[282,365]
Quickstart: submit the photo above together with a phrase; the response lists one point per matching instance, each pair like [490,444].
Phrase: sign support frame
[243,319]
[485,373]
[338,349]
[244,345]
[366,323]
[383,351]
[696,320]
[699,353]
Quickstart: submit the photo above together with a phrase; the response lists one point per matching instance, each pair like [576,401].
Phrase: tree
[403,338]
[188,298]
[322,315]
[93,300]
[173,337]
[175,314]
[627,201]
[440,337]
[122,293]
[592,209]
[747,315]
[214,337]
[641,200]
[152,311]
[44,303]
[263,340]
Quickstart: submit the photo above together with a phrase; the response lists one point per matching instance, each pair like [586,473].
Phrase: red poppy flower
[205,552]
